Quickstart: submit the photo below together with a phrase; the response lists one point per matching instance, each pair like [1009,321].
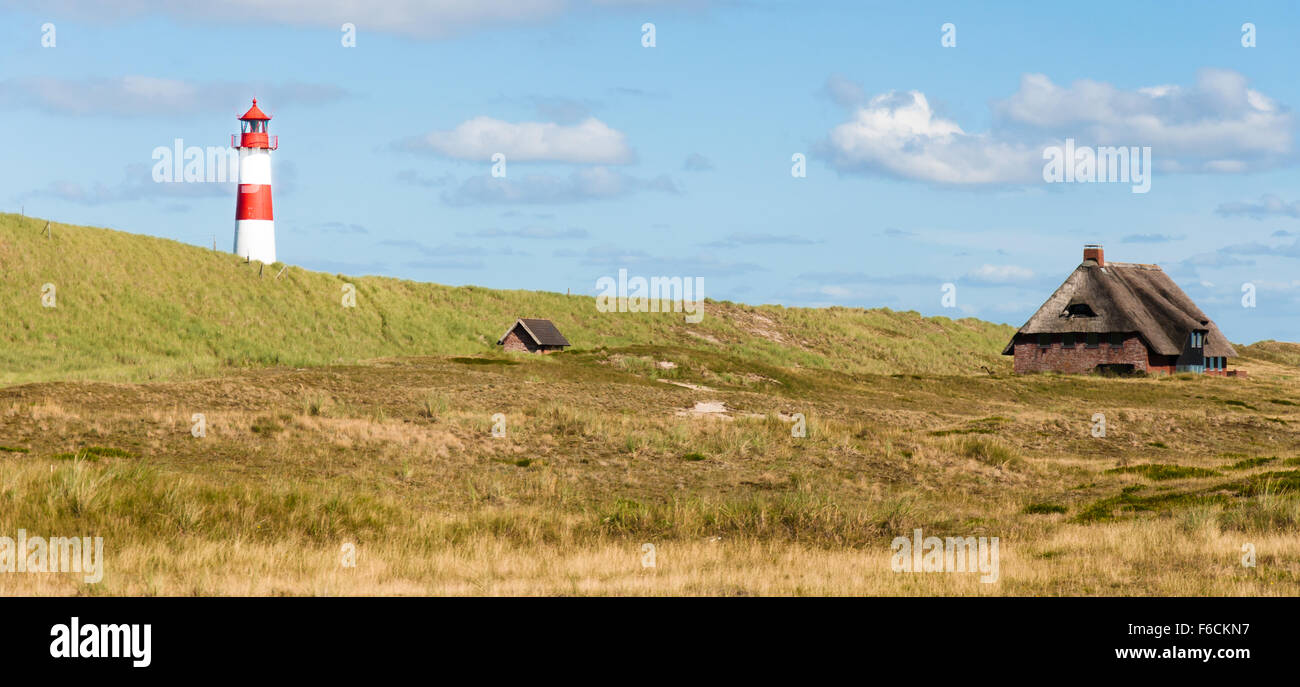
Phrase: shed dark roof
[542,332]
[1126,297]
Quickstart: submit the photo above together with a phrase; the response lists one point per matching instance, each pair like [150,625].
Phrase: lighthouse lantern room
[254,220]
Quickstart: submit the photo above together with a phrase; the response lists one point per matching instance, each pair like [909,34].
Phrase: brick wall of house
[1166,364]
[1030,357]
[514,342]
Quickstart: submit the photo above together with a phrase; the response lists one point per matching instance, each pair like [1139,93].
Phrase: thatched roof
[1126,297]
[543,332]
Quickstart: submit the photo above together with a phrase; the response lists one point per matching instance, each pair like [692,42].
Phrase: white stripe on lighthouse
[255,239]
[255,166]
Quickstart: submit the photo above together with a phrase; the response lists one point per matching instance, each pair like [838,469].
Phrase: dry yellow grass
[1130,558]
[397,457]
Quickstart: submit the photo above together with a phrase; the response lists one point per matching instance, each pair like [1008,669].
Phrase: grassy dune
[605,451]
[651,432]
[134,308]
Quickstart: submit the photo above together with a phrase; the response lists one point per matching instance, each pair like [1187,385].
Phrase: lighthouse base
[255,239]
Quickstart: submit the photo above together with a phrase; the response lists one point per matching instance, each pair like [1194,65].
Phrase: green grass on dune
[132,307]
[1280,352]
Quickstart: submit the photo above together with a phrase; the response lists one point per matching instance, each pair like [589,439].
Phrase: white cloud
[539,233]
[593,183]
[843,91]
[611,257]
[417,18]
[1267,205]
[147,96]
[590,141]
[761,239]
[696,162]
[137,184]
[899,135]
[1000,274]
[414,18]
[1217,125]
[1256,248]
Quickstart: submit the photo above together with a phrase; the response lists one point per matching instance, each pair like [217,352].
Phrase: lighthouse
[254,221]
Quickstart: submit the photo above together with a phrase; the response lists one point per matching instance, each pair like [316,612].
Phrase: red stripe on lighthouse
[254,202]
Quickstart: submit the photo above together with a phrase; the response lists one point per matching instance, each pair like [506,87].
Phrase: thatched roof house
[534,336]
[1121,317]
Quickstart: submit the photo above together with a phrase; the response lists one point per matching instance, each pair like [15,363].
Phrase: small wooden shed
[534,336]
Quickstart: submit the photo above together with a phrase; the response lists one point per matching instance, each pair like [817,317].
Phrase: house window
[1198,339]
[1080,310]
[1067,341]
[1093,340]
[1044,340]
[1116,339]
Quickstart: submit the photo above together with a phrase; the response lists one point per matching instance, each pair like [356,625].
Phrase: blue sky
[924,162]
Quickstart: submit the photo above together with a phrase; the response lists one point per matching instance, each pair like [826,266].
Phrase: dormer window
[1079,310]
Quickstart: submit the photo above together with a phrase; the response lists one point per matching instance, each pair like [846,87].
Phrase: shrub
[988,451]
[1249,463]
[266,426]
[1157,471]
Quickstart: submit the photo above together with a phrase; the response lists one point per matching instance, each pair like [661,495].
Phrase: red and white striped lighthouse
[254,221]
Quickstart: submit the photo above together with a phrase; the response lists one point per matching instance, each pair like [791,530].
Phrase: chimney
[1093,252]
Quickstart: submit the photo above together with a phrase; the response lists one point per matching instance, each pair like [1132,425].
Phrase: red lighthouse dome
[253,127]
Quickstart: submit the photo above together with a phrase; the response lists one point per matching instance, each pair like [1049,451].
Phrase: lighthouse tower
[254,221]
